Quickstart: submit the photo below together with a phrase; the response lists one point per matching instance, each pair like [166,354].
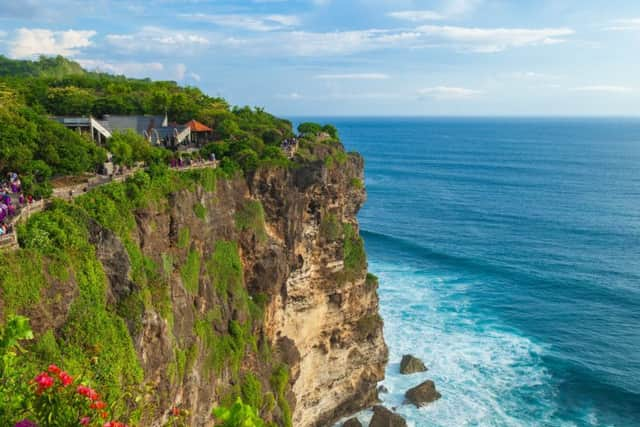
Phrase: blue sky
[356,57]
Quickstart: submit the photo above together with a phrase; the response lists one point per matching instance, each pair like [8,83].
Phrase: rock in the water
[382,417]
[353,422]
[382,389]
[411,365]
[423,394]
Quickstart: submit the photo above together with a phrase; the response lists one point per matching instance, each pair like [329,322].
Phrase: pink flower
[88,392]
[98,405]
[54,369]
[65,378]
[84,421]
[44,382]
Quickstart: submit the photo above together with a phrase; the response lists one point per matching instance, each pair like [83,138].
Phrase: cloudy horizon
[355,57]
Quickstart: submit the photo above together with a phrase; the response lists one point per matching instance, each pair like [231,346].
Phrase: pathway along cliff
[253,286]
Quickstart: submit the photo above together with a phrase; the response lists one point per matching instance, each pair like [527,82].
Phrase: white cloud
[181,71]
[37,41]
[604,88]
[247,22]
[302,43]
[195,76]
[293,96]
[461,7]
[417,15]
[131,69]
[488,40]
[353,76]
[532,76]
[632,24]
[447,92]
[159,40]
[451,9]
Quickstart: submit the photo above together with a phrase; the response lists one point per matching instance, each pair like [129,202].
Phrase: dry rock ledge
[411,365]
[423,394]
[382,417]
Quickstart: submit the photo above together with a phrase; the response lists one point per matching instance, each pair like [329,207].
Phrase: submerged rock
[411,365]
[423,394]
[382,417]
[352,422]
[382,389]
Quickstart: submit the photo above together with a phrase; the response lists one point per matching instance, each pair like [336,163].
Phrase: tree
[128,147]
[331,130]
[309,128]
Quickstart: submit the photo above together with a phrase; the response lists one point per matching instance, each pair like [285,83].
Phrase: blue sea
[508,252]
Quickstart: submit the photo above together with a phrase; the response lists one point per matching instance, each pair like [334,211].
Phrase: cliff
[252,286]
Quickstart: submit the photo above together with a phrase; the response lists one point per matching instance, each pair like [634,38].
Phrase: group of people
[10,189]
[289,144]
[179,162]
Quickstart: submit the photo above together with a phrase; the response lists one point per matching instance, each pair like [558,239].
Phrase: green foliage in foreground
[55,249]
[238,415]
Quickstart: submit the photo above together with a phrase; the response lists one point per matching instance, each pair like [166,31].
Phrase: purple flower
[25,423]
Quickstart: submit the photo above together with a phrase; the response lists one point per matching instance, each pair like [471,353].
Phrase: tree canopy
[33,145]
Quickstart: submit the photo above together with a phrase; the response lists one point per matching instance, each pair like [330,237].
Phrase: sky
[355,57]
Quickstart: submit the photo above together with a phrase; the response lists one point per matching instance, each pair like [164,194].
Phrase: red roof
[196,126]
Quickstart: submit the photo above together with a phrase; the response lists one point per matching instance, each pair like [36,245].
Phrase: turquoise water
[508,252]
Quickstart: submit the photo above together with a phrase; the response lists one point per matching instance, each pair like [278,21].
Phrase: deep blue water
[508,252]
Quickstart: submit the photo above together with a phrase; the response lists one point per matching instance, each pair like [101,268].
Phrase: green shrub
[357,183]
[355,258]
[330,228]
[251,390]
[200,210]
[368,326]
[250,216]
[184,237]
[279,384]
[225,269]
[190,272]
[22,280]
[371,280]
[238,415]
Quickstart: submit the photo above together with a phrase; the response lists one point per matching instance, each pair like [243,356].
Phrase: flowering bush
[53,398]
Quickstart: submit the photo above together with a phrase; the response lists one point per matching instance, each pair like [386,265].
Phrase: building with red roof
[200,133]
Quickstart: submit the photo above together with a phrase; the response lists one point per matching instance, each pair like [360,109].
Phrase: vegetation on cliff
[91,324]
[38,148]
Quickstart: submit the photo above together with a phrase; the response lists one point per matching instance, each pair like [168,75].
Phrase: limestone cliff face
[198,339]
[332,322]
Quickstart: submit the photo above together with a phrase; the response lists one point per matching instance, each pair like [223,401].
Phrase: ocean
[508,252]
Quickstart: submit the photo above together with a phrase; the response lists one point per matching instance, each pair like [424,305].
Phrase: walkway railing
[10,240]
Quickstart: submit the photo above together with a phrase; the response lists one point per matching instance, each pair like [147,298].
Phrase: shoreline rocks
[411,365]
[382,417]
[352,422]
[423,394]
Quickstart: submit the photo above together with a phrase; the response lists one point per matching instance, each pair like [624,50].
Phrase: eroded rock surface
[423,394]
[383,417]
[411,365]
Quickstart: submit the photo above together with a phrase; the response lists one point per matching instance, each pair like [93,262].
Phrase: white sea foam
[487,375]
